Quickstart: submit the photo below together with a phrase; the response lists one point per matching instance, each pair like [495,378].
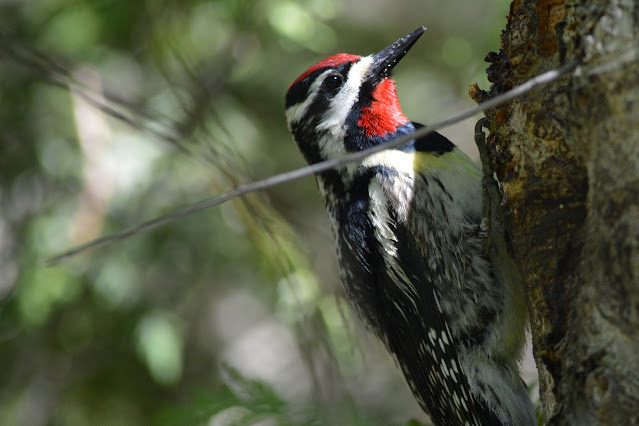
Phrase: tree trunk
[567,158]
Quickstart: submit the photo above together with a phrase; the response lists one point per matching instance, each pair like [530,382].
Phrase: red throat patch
[384,115]
[330,62]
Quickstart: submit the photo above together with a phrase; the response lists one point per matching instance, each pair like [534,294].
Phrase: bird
[411,242]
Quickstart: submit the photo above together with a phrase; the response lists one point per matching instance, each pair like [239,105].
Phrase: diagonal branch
[275,180]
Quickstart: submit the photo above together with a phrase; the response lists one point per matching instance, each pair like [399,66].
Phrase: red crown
[330,62]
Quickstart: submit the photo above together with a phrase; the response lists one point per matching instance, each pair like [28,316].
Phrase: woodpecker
[410,242]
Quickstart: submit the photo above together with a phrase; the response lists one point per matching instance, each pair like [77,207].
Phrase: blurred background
[113,112]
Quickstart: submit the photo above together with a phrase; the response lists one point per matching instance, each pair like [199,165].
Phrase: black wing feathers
[433,142]
[383,290]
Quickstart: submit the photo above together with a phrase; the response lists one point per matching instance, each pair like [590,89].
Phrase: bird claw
[492,222]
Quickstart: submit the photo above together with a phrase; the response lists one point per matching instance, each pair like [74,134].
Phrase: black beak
[385,60]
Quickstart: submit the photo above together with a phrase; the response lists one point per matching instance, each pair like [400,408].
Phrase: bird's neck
[384,115]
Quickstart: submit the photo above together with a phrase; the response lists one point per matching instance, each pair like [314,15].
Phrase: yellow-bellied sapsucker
[411,248]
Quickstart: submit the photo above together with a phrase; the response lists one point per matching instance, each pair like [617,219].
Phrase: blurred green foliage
[113,112]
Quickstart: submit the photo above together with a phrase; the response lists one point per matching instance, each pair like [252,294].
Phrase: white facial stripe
[335,117]
[294,113]
[329,148]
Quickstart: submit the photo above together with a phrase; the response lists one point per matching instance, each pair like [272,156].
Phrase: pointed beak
[385,60]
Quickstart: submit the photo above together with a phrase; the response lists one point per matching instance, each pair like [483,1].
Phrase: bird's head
[347,103]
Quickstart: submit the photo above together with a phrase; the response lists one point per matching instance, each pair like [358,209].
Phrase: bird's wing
[416,242]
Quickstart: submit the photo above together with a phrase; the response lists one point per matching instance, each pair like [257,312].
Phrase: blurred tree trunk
[567,156]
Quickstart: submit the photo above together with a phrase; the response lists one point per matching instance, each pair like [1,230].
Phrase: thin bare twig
[292,175]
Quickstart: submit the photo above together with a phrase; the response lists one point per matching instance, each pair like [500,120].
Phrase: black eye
[333,81]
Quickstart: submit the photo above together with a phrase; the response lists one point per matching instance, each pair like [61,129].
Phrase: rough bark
[567,158]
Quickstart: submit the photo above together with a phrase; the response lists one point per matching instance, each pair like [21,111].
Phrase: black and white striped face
[341,101]
[318,104]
